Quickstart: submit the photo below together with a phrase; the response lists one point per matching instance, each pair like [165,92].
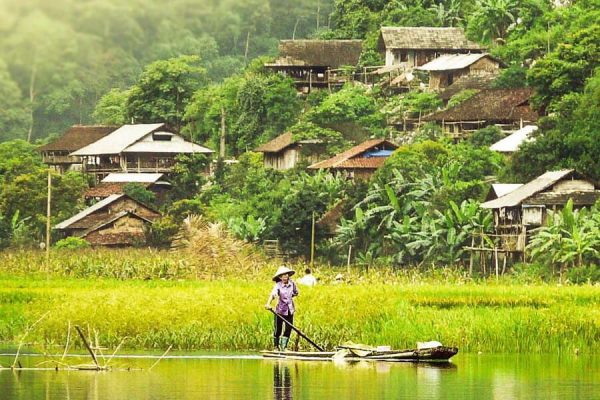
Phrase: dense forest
[191,62]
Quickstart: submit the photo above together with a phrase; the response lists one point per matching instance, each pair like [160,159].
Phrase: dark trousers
[279,325]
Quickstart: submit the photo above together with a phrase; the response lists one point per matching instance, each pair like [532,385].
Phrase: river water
[469,376]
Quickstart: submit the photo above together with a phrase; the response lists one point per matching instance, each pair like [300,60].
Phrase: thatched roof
[77,137]
[490,105]
[522,193]
[277,144]
[352,158]
[478,82]
[321,53]
[425,38]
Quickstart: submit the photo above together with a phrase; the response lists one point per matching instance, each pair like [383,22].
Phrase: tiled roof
[361,162]
[322,53]
[426,38]
[355,151]
[277,144]
[77,137]
[490,105]
[105,189]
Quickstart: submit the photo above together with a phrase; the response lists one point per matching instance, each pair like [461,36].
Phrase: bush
[72,243]
[584,274]
[162,232]
[486,136]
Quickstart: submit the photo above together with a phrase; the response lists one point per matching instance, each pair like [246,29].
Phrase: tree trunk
[31,99]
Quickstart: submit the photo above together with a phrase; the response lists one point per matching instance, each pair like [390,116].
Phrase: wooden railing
[47,159]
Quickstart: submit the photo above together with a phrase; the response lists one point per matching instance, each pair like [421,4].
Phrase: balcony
[51,159]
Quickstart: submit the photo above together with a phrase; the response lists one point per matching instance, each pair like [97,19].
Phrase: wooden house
[136,148]
[285,152]
[115,221]
[506,108]
[445,69]
[115,182]
[525,207]
[57,154]
[316,63]
[412,47]
[359,162]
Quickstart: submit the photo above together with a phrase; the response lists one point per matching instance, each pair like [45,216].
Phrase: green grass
[224,310]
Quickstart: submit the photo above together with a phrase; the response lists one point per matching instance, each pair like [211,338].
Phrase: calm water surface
[468,377]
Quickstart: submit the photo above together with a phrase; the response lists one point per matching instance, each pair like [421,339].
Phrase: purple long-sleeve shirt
[285,293]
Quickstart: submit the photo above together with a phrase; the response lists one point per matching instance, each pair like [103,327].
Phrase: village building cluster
[146,153]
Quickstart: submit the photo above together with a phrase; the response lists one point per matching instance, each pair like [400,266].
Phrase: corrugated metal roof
[426,38]
[99,205]
[118,177]
[341,158]
[502,189]
[448,62]
[517,196]
[118,140]
[163,146]
[511,143]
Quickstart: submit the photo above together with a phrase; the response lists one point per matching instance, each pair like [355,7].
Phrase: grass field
[154,300]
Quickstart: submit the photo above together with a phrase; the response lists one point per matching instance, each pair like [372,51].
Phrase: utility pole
[48,215]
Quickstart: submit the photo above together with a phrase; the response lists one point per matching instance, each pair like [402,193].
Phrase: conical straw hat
[283,270]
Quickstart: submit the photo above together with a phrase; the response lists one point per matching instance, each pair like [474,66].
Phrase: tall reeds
[158,299]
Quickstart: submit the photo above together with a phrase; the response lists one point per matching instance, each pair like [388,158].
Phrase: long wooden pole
[87,346]
[298,331]
[48,217]
[312,241]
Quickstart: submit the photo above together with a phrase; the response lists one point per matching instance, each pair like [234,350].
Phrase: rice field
[154,300]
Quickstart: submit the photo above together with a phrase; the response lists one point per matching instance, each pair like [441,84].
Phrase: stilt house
[136,148]
[414,46]
[316,63]
[57,154]
[506,108]
[525,208]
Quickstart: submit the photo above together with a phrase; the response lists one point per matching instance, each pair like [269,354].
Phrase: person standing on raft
[285,290]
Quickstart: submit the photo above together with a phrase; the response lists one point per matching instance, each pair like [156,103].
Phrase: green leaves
[570,238]
[164,89]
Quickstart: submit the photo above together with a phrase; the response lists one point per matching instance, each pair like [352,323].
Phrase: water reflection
[282,382]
